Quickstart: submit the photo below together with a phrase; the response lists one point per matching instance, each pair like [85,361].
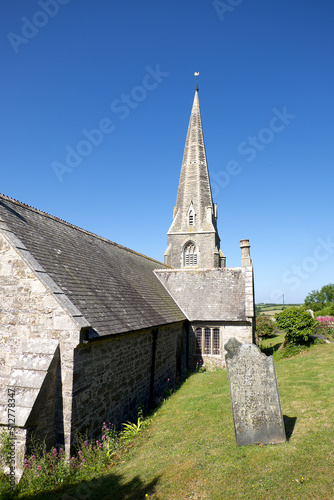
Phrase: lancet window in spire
[190,255]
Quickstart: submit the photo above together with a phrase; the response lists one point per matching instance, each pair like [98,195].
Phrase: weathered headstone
[256,406]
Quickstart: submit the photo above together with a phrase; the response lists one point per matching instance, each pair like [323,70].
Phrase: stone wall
[114,376]
[207,294]
[207,249]
[242,331]
[213,298]
[42,359]
[37,337]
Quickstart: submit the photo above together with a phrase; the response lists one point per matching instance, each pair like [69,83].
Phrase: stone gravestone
[256,406]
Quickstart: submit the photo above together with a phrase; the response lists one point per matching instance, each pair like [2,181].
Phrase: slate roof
[208,294]
[112,286]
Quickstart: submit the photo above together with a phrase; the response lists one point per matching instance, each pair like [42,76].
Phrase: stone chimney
[245,255]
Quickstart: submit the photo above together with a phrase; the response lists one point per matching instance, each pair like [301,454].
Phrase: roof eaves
[92,337]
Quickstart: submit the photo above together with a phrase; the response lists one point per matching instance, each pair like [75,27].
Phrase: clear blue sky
[266,95]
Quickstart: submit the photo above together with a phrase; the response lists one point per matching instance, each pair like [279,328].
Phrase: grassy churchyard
[187,449]
[272,309]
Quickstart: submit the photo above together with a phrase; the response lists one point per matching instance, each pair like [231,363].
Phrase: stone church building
[90,330]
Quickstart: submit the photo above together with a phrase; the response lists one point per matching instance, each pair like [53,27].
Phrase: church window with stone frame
[198,340]
[190,255]
[207,341]
[191,218]
[216,341]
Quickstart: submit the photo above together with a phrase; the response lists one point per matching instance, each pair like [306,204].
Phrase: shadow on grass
[289,424]
[269,351]
[106,487]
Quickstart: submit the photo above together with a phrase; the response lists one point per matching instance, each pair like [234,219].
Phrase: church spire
[195,215]
[194,184]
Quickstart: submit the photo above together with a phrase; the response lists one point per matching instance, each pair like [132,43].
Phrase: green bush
[325,311]
[264,326]
[297,325]
[317,300]
[5,447]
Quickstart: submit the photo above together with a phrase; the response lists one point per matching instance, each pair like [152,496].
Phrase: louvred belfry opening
[190,255]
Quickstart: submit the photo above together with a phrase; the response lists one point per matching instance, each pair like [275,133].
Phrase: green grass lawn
[188,450]
[272,309]
[270,345]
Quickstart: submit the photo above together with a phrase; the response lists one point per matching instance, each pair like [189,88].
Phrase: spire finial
[196,74]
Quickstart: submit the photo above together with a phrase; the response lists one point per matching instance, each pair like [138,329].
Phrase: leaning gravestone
[256,406]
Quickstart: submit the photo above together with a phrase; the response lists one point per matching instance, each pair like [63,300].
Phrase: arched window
[190,254]
[191,218]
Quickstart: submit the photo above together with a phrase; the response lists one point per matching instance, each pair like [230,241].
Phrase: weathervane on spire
[196,74]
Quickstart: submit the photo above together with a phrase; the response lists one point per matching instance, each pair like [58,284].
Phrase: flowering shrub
[110,440]
[44,470]
[49,469]
[325,325]
[326,320]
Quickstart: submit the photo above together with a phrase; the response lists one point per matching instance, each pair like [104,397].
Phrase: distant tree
[296,323]
[264,326]
[319,299]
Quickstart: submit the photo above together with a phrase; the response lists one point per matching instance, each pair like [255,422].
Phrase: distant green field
[272,309]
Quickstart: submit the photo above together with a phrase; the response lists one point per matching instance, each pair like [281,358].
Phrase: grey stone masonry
[220,299]
[113,289]
[193,239]
[62,287]
[256,406]
[113,377]
[210,294]
[37,337]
